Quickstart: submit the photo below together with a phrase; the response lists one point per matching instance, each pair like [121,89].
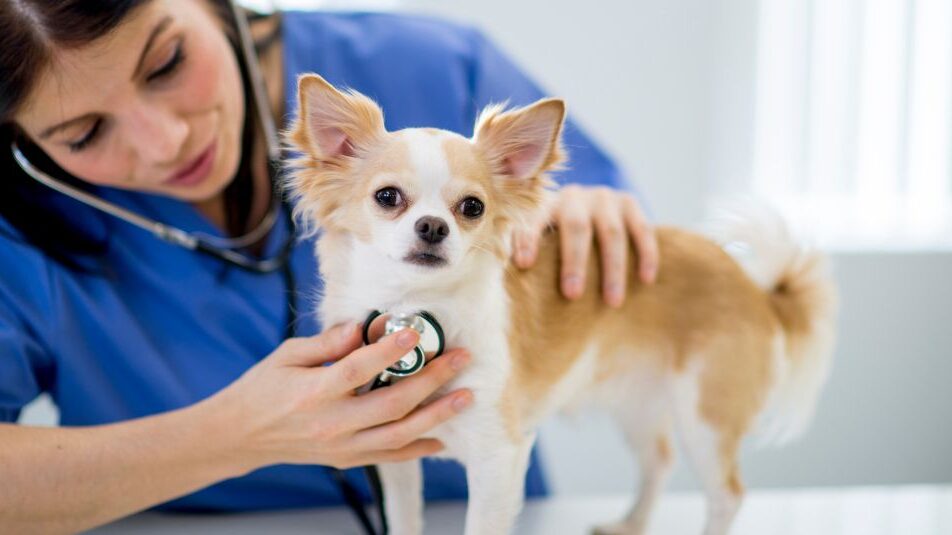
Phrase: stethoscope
[227,249]
[224,249]
[432,342]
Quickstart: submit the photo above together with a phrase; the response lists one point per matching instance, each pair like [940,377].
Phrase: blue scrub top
[169,327]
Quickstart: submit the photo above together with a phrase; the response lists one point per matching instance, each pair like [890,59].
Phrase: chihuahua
[421,220]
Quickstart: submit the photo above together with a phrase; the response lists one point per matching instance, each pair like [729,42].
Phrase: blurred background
[837,111]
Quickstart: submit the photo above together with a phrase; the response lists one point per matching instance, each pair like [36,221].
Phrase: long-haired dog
[420,219]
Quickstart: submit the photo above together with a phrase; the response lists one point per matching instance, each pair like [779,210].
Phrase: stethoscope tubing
[225,250]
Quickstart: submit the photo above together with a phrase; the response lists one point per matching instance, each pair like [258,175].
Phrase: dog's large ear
[332,125]
[522,143]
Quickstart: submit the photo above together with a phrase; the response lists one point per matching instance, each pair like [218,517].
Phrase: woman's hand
[290,408]
[614,217]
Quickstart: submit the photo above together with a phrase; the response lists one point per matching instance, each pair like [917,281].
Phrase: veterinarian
[191,374]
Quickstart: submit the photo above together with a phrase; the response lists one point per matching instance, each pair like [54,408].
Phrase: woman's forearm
[56,480]
[67,479]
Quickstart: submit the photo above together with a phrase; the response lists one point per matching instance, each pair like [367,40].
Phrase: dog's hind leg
[403,496]
[712,453]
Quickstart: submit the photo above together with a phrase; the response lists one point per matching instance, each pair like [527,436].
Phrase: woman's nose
[158,136]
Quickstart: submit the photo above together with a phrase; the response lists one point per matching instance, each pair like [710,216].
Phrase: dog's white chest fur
[471,306]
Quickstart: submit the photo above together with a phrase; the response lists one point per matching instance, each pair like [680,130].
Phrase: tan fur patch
[701,304]
[464,162]
[797,295]
[341,197]
[499,134]
[324,182]
[734,484]
[472,176]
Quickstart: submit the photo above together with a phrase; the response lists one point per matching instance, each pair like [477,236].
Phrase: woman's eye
[90,136]
[170,65]
[471,207]
[389,197]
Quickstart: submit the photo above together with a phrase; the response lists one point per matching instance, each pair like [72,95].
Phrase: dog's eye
[389,197]
[471,207]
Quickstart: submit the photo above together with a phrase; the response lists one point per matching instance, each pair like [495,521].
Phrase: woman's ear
[522,143]
[332,126]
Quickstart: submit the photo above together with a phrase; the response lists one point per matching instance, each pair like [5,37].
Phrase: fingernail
[523,255]
[614,294]
[347,331]
[573,284]
[459,361]
[461,401]
[407,338]
[650,272]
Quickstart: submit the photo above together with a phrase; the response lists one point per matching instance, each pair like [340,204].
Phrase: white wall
[636,74]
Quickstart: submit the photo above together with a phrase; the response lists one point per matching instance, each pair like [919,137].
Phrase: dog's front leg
[496,476]
[402,485]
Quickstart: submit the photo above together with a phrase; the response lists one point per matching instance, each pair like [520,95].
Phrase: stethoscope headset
[228,250]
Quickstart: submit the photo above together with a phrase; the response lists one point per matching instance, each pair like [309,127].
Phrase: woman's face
[155,106]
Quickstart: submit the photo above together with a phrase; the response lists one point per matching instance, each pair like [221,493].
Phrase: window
[853,119]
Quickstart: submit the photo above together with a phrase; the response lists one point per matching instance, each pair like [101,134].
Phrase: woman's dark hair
[28,29]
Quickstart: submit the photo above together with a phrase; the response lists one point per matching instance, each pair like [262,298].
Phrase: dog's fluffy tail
[803,296]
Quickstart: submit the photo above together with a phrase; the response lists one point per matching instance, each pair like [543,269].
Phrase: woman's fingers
[398,434]
[395,402]
[645,240]
[613,245]
[328,346]
[418,448]
[575,233]
[525,242]
[414,450]
[361,366]
[522,248]
[388,422]
[614,218]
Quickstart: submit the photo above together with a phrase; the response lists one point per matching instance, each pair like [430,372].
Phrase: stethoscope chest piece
[431,343]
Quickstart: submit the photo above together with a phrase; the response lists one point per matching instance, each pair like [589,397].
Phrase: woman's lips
[197,170]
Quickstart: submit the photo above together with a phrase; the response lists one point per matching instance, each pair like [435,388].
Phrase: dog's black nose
[432,229]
